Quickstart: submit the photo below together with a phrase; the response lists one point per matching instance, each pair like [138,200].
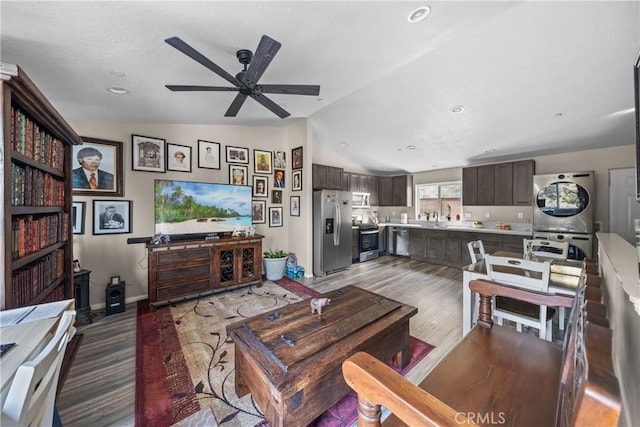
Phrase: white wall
[110,255]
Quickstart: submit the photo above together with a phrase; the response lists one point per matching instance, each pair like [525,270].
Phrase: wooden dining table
[564,278]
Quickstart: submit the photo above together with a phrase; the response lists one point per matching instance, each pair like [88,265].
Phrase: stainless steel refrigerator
[331,231]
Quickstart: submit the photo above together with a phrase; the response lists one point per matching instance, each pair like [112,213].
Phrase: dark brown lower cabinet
[187,269]
[450,247]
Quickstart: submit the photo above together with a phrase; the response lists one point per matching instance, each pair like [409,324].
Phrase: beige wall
[110,255]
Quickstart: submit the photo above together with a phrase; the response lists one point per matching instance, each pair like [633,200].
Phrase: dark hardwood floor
[100,388]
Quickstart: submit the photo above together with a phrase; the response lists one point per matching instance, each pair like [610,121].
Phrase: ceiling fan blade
[233,109]
[270,105]
[192,88]
[290,89]
[198,57]
[267,49]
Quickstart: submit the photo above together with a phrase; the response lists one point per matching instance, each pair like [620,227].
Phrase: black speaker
[114,298]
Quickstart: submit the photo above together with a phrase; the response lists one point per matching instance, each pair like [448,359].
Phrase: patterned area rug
[184,359]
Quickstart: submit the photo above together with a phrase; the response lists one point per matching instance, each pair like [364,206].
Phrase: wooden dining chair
[532,275]
[545,248]
[476,250]
[31,396]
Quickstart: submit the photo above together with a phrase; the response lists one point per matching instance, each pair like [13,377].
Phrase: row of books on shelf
[29,282]
[32,141]
[33,187]
[30,233]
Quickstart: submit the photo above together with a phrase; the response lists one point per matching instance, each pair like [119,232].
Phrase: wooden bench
[497,376]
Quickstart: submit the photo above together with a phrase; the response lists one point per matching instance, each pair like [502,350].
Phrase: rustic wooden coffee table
[290,360]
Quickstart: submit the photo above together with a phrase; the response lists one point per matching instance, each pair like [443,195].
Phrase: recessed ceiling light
[434,166]
[118,73]
[411,147]
[118,90]
[457,109]
[419,14]
[344,144]
[558,115]
[490,150]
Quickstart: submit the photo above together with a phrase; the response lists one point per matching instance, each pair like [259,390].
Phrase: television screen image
[200,208]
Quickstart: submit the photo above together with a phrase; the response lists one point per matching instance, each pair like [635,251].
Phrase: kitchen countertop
[493,230]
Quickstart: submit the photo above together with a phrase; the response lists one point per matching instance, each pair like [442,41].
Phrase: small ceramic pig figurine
[318,303]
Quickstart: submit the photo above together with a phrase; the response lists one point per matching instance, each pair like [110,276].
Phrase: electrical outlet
[487,214]
[520,215]
[467,214]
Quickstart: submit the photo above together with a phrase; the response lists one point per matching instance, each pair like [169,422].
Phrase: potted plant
[274,264]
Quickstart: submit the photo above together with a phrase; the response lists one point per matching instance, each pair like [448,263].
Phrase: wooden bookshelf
[37,196]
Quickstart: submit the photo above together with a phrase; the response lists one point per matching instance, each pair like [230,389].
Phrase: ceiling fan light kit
[246,81]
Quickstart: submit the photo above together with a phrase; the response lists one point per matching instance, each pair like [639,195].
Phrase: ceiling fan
[246,81]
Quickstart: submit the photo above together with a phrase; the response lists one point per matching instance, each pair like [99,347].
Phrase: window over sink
[441,200]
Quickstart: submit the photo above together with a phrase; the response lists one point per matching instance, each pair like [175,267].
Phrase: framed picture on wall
[238,175]
[208,154]
[294,207]
[147,154]
[279,160]
[112,216]
[260,186]
[98,168]
[296,179]
[296,156]
[261,161]
[258,209]
[276,196]
[237,154]
[77,216]
[178,158]
[275,217]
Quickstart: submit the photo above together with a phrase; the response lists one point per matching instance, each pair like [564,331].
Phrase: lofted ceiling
[534,77]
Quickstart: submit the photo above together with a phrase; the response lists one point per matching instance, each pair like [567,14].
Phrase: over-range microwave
[360,200]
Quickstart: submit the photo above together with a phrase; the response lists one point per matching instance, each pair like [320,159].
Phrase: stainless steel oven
[563,202]
[368,242]
[580,245]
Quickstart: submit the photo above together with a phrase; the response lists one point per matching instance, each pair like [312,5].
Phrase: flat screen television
[200,210]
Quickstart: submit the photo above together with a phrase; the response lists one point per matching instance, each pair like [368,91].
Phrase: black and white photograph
[275,217]
[294,207]
[258,208]
[279,159]
[237,154]
[178,158]
[296,158]
[260,186]
[208,154]
[238,175]
[97,168]
[296,180]
[147,154]
[112,216]
[77,217]
[276,196]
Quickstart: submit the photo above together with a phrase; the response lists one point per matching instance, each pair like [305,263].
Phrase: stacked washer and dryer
[563,210]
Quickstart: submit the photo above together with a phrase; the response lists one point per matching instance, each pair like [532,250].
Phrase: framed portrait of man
[275,217]
[260,186]
[296,155]
[258,208]
[296,179]
[276,196]
[97,169]
[112,216]
[208,154]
